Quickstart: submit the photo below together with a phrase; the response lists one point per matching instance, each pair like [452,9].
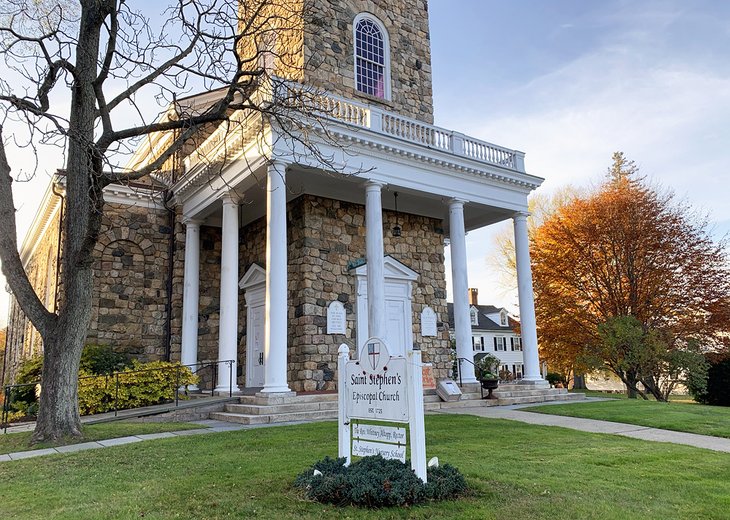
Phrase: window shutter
[495,343]
[512,343]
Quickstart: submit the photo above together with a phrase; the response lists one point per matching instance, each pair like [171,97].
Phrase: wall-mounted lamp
[396,229]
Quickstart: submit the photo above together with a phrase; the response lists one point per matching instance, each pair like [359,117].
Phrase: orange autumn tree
[629,255]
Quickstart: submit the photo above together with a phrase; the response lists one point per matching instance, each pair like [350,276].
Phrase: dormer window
[503,319]
[474,316]
[372,57]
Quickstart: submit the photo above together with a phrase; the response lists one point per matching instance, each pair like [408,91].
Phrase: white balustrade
[229,139]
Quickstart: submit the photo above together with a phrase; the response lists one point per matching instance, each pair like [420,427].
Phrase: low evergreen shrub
[716,390]
[102,359]
[139,384]
[377,482]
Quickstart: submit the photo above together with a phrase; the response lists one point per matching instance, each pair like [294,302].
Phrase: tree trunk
[579,382]
[58,415]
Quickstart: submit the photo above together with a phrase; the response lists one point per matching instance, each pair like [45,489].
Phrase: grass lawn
[516,471]
[677,416]
[94,432]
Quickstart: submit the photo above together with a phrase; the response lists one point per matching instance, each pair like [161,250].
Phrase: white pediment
[255,276]
[392,269]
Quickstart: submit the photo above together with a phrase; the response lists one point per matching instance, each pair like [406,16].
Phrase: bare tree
[78,72]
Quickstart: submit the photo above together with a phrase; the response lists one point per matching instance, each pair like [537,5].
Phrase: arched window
[372,57]
[503,319]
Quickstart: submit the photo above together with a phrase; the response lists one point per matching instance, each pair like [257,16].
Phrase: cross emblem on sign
[374,354]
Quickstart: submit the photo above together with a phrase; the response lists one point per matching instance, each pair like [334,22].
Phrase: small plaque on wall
[336,318]
[428,322]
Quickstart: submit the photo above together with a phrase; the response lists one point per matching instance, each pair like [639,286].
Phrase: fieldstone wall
[329,52]
[130,275]
[312,41]
[326,245]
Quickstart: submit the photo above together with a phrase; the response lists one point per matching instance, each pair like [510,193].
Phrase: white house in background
[493,331]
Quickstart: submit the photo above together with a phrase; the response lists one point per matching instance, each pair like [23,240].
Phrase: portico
[454,182]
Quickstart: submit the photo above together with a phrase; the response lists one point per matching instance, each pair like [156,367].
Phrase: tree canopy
[628,250]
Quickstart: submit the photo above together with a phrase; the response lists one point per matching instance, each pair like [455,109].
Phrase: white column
[374,253]
[460,281]
[191,295]
[528,326]
[277,302]
[228,327]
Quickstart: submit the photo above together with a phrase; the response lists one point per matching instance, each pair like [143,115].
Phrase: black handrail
[7,398]
[459,360]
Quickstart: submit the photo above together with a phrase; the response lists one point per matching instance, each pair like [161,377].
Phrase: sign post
[380,387]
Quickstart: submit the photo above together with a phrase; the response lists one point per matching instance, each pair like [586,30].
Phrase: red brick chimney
[473,298]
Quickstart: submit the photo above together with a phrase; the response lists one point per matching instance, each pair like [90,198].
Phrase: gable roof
[484,322]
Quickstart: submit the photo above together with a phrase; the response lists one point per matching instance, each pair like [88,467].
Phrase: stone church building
[238,249]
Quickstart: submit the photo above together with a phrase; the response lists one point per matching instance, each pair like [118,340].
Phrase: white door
[255,344]
[396,335]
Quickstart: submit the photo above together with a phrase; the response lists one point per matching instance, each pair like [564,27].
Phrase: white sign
[336,318]
[381,387]
[387,451]
[428,322]
[376,384]
[373,432]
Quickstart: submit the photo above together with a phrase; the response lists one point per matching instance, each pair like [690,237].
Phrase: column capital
[231,198]
[192,222]
[372,185]
[520,215]
[278,164]
[456,203]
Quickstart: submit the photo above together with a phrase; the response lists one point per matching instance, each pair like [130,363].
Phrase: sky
[569,82]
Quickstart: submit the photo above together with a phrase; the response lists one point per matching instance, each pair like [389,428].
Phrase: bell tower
[370,51]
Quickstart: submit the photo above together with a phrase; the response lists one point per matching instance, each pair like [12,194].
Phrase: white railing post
[376,120]
[519,161]
[457,143]
[416,424]
[343,425]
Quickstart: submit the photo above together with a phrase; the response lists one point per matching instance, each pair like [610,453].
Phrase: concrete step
[293,399]
[525,393]
[274,418]
[255,409]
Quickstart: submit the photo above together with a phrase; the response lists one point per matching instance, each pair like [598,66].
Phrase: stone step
[525,393]
[274,418]
[539,399]
[255,409]
[289,399]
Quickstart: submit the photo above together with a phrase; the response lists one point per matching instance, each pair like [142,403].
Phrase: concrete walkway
[207,426]
[512,413]
[645,433]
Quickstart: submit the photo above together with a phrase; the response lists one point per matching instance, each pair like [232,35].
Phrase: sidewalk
[207,426]
[645,433]
[511,413]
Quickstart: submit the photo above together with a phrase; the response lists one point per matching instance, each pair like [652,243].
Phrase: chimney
[473,299]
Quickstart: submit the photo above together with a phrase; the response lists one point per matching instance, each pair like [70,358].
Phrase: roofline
[49,206]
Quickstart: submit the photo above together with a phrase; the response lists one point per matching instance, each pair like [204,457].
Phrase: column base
[469,381]
[537,382]
[283,391]
[223,390]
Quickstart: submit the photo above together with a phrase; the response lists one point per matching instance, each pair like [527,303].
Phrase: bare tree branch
[12,266]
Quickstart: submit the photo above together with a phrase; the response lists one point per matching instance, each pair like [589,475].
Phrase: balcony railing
[294,99]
